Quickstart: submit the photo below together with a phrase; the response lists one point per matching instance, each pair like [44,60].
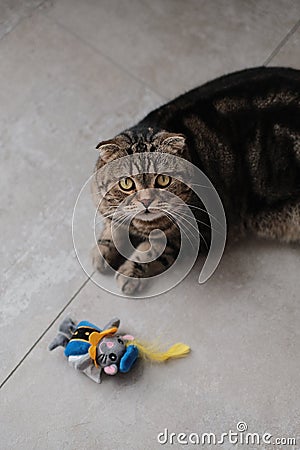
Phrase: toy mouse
[92,350]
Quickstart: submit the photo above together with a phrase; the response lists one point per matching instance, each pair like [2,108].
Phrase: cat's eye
[127,184]
[162,181]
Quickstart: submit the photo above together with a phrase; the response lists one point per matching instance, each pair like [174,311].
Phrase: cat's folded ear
[111,149]
[174,143]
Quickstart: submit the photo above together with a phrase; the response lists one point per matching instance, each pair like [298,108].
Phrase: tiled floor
[74,72]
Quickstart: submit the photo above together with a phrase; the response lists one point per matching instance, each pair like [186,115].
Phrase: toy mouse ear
[129,358]
[128,337]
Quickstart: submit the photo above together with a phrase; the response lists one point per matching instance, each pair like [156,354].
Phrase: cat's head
[148,196]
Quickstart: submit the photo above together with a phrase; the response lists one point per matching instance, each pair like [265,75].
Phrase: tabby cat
[243,131]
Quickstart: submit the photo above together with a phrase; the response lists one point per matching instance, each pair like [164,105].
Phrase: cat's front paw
[128,280]
[103,257]
[98,261]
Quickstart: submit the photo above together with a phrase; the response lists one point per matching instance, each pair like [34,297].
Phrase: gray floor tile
[13,11]
[289,54]
[173,45]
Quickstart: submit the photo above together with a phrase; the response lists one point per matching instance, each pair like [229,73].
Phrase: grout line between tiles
[103,55]
[22,18]
[46,330]
[282,43]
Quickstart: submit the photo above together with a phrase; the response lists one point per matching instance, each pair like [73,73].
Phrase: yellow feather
[152,352]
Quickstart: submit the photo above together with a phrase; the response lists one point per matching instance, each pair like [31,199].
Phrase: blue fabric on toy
[79,342]
[128,359]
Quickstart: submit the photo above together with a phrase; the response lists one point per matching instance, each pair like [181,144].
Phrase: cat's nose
[146,202]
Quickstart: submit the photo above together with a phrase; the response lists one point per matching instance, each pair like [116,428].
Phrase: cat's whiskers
[120,222]
[197,220]
[131,208]
[204,210]
[176,220]
[116,216]
[183,228]
[200,185]
[103,217]
[189,224]
[163,205]
[179,216]
[177,208]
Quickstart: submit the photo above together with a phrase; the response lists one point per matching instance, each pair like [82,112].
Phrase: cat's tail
[153,352]
[65,331]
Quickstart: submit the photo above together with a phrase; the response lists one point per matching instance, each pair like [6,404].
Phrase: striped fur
[243,131]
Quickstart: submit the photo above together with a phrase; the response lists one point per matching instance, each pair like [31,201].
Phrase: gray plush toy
[92,350]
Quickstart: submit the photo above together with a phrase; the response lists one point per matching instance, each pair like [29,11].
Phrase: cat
[243,131]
